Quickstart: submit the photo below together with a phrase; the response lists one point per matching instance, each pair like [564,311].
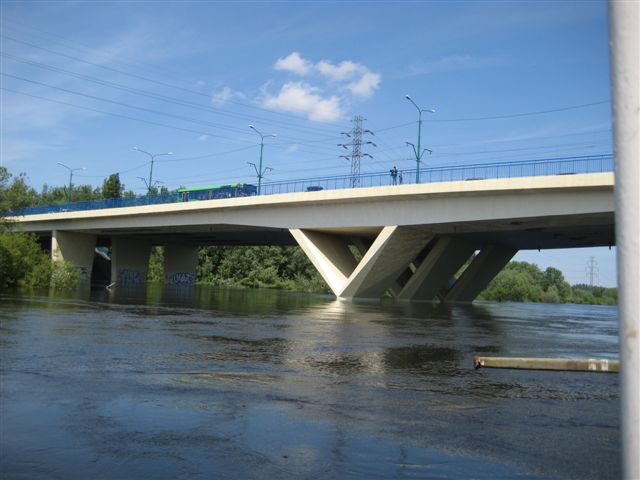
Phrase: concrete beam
[129,261]
[436,271]
[77,248]
[479,273]
[330,255]
[180,262]
[384,261]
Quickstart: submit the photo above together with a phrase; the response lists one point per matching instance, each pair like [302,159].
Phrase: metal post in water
[624,21]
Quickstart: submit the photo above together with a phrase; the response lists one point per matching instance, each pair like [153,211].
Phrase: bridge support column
[180,263]
[77,248]
[381,265]
[386,259]
[330,255]
[479,273]
[437,269]
[129,261]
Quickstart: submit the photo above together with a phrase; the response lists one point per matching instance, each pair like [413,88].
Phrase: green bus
[215,192]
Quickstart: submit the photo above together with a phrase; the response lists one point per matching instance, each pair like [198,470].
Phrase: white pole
[624,19]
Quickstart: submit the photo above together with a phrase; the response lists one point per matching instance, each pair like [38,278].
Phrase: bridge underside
[450,262]
[447,262]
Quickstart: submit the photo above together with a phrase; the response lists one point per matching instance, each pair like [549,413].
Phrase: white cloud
[328,88]
[302,98]
[224,95]
[366,85]
[345,70]
[362,81]
[294,63]
[293,148]
[203,137]
[200,83]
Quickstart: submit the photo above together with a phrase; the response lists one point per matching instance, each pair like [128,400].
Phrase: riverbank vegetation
[284,268]
[525,282]
[23,263]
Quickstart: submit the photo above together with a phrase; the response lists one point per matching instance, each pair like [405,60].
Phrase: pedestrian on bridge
[394,175]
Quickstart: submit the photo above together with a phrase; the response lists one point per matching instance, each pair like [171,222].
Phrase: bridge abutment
[77,248]
[180,263]
[129,261]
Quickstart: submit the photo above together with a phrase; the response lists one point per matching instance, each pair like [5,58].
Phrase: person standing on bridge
[400,177]
[394,175]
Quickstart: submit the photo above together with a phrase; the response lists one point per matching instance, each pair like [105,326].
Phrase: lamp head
[407,97]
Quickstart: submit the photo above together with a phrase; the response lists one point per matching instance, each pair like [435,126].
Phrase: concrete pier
[130,260]
[74,247]
[486,265]
[180,263]
[436,271]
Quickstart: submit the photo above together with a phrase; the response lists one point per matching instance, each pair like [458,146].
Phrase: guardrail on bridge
[450,173]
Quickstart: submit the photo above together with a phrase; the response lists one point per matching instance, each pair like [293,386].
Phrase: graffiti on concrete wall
[131,277]
[83,273]
[181,278]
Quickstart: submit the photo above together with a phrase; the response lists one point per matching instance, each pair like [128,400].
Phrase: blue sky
[189,77]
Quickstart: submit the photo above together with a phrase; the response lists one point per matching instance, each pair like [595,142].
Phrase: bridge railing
[450,173]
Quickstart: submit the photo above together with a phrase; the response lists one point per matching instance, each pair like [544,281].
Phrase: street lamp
[153,157]
[71,170]
[259,171]
[416,150]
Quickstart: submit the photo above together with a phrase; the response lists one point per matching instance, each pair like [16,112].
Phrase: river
[214,383]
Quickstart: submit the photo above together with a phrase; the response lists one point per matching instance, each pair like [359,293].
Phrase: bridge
[445,238]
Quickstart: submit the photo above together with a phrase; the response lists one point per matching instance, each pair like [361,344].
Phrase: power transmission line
[515,115]
[146,79]
[90,109]
[156,96]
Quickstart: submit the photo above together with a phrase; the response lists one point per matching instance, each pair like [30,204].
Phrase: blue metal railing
[469,172]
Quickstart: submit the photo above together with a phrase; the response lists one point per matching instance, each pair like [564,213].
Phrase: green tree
[15,195]
[22,261]
[112,187]
[553,278]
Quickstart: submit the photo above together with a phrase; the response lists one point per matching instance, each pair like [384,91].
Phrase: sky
[84,82]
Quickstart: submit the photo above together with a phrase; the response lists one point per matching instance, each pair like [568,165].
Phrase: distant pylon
[591,270]
[356,144]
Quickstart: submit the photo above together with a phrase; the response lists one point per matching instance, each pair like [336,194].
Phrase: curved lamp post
[71,170]
[416,150]
[153,157]
[259,171]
